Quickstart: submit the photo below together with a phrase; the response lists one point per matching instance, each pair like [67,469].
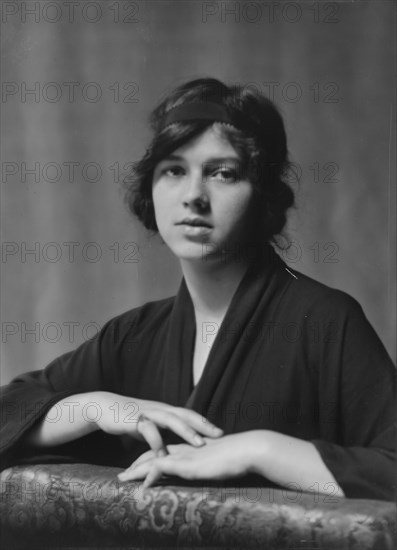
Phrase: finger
[180,466]
[179,426]
[142,470]
[197,422]
[149,455]
[144,457]
[154,475]
[162,452]
[139,472]
[171,465]
[149,431]
[200,423]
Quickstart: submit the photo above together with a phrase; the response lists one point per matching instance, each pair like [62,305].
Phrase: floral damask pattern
[81,506]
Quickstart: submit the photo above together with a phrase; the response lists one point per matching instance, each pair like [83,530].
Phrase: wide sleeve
[29,396]
[357,394]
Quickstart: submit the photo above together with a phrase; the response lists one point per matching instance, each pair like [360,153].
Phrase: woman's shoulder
[306,292]
[148,318]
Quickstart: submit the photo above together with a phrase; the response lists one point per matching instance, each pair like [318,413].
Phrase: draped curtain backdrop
[78,82]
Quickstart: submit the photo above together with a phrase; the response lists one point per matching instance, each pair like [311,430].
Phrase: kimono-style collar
[261,281]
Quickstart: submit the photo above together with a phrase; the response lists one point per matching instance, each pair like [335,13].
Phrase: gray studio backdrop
[78,82]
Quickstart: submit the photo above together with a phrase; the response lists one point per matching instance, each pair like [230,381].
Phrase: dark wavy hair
[257,134]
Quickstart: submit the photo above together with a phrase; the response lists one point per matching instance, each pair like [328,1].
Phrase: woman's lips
[195,221]
[195,230]
[195,227]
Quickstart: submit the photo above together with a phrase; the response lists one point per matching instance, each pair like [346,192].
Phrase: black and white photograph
[198,274]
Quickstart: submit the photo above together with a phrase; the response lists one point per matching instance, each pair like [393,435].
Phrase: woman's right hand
[143,419]
[81,414]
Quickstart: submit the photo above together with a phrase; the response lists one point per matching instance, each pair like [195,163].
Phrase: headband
[197,111]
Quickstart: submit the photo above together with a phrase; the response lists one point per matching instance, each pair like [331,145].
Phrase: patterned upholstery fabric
[82,506]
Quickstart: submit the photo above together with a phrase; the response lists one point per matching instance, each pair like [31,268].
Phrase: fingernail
[122,476]
[198,440]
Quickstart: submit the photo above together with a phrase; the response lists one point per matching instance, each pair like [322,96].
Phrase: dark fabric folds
[292,355]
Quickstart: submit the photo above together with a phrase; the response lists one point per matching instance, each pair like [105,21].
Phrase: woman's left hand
[226,457]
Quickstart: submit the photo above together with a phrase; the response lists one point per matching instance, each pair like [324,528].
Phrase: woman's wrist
[66,420]
[284,460]
[260,452]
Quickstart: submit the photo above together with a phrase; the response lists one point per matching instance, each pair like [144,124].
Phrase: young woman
[253,369]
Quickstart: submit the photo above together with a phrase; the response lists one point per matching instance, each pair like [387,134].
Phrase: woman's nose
[195,191]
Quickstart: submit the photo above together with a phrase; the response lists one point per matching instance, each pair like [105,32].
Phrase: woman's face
[203,204]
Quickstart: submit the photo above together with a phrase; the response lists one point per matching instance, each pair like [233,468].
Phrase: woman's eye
[173,171]
[225,174]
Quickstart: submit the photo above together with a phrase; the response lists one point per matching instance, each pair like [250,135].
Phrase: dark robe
[292,355]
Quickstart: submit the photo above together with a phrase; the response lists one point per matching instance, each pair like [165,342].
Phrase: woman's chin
[190,254]
[194,251]
[204,255]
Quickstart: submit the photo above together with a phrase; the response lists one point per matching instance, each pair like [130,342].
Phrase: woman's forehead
[212,143]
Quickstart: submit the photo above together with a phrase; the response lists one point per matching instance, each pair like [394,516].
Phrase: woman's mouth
[195,227]
[195,221]
[196,230]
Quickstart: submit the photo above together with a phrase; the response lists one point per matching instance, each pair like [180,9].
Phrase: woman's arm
[80,414]
[78,393]
[67,420]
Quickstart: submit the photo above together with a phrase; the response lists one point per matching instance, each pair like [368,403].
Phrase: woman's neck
[212,285]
